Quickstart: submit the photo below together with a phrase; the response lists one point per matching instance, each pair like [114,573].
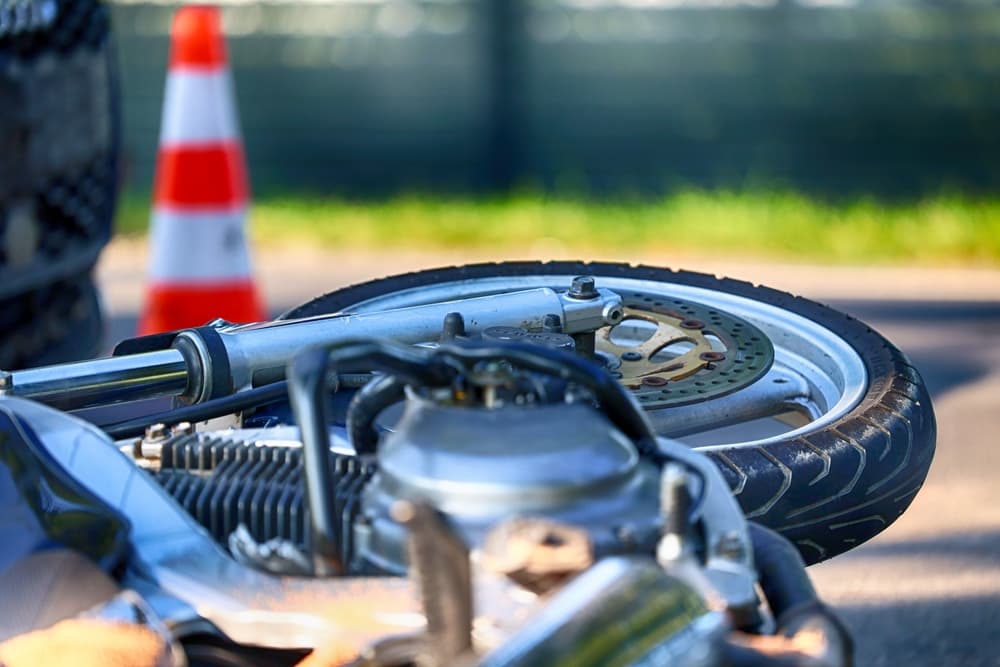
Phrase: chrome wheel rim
[816,376]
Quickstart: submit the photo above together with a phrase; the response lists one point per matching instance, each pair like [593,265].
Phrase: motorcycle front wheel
[822,428]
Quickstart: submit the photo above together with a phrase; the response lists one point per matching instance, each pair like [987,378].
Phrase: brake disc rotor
[674,352]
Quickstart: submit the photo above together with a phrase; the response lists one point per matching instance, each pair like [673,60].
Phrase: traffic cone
[199,259]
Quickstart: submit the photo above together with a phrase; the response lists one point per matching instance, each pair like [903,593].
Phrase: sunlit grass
[942,229]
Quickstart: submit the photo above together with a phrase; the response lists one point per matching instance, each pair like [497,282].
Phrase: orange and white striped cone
[200,263]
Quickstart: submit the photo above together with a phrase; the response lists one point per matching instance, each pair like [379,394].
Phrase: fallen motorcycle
[503,464]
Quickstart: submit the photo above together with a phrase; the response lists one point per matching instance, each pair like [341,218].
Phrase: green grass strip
[947,229]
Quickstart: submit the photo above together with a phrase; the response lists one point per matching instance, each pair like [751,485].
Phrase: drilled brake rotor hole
[632,332]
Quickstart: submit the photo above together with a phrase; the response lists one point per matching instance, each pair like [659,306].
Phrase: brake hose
[216,407]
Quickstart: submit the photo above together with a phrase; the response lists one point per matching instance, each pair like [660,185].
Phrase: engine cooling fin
[224,483]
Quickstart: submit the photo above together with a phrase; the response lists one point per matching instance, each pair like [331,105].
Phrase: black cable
[439,367]
[610,393]
[782,571]
[307,392]
[217,407]
[365,407]
[797,609]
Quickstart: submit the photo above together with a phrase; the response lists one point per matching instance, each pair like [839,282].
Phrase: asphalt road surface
[924,593]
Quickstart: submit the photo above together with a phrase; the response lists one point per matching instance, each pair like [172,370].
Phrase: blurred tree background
[836,101]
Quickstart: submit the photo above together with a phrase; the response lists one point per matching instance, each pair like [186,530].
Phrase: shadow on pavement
[950,632]
[962,332]
[920,311]
[983,545]
[942,373]
[926,622]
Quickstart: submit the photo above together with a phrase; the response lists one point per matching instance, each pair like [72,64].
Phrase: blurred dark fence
[892,97]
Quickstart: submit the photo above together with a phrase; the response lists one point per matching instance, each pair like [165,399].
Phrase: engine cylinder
[480,465]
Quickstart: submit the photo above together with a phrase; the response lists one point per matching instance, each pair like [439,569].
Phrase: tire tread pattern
[827,491]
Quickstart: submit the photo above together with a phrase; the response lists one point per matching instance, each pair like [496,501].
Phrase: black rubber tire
[828,491]
[54,323]
[60,139]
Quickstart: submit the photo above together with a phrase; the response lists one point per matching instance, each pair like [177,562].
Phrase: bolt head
[552,323]
[583,287]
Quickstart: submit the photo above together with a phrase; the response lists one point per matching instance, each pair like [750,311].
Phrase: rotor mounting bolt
[631,356]
[653,381]
[692,324]
[712,356]
[583,287]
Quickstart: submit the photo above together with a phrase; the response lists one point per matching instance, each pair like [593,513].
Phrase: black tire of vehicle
[827,491]
[74,197]
[55,323]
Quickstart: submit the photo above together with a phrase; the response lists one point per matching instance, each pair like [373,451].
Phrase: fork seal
[209,373]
